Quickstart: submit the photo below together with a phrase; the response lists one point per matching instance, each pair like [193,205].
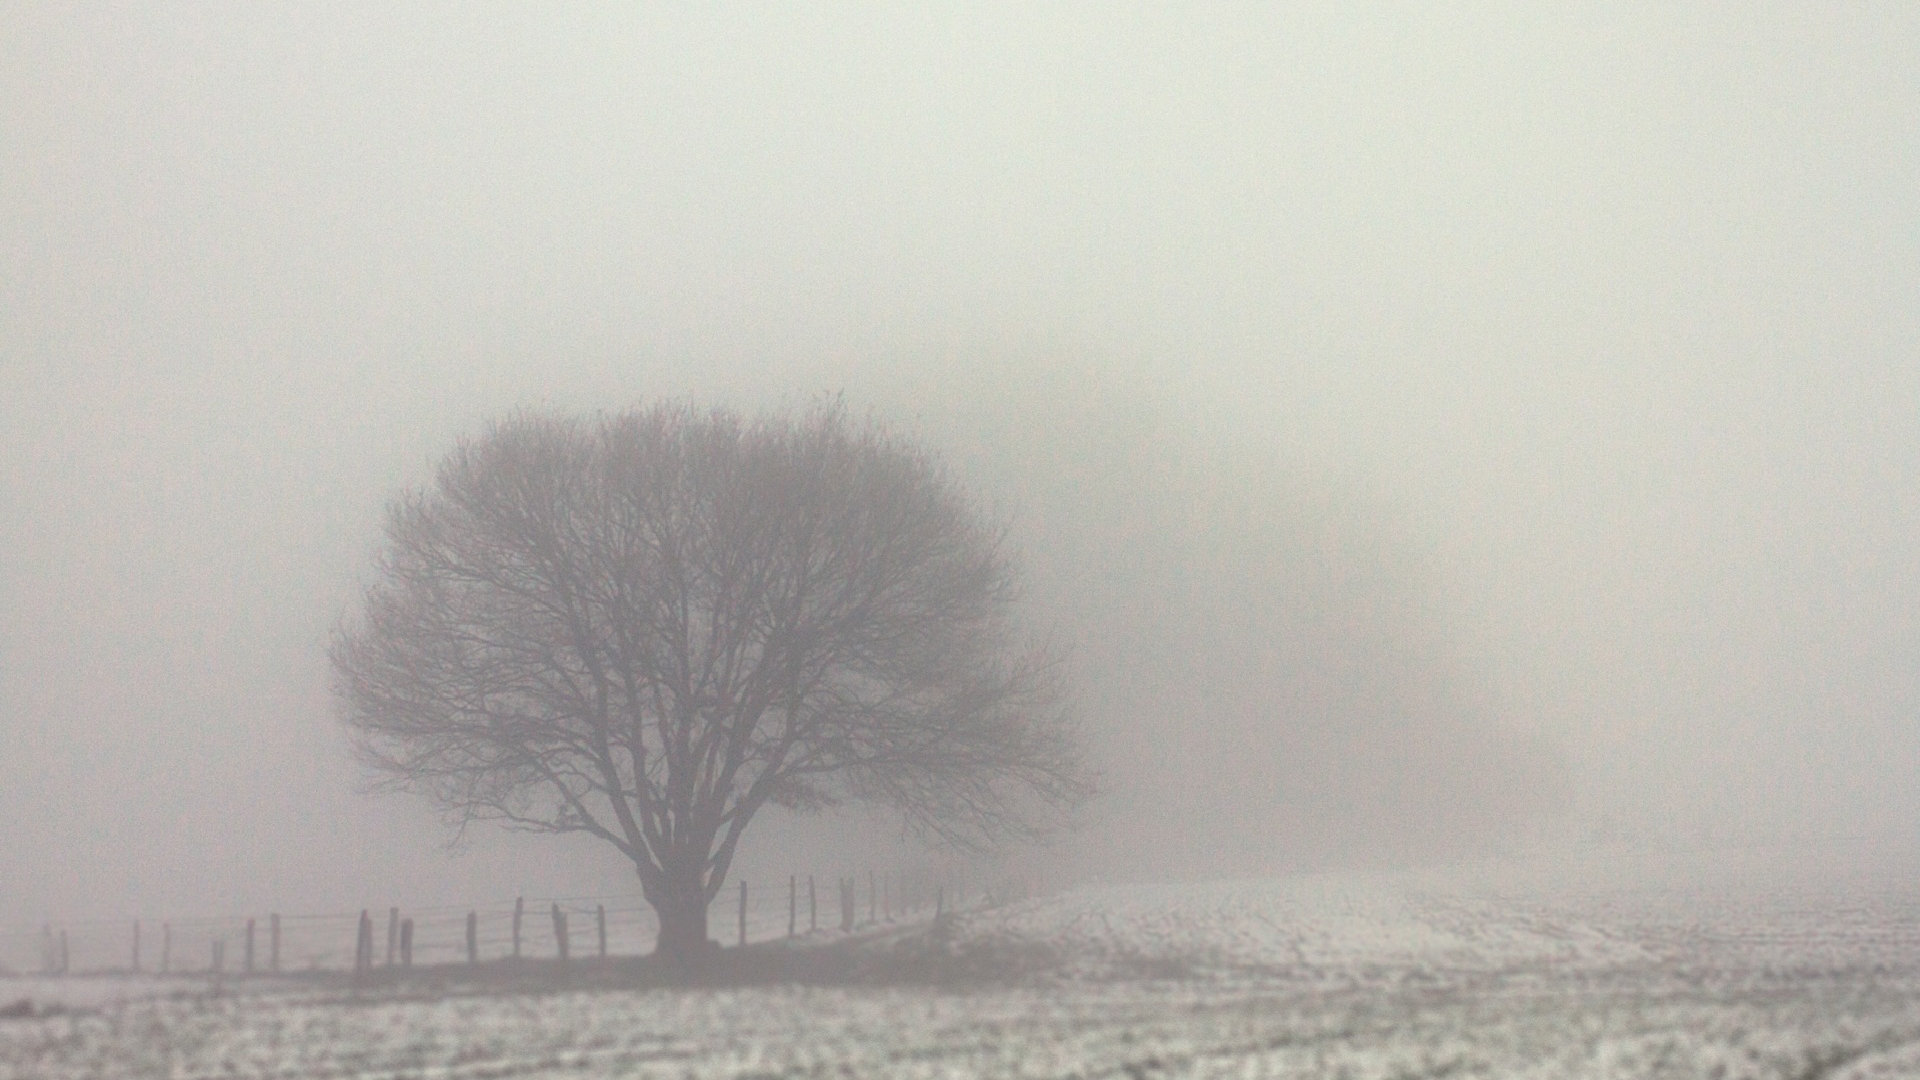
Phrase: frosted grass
[1264,979]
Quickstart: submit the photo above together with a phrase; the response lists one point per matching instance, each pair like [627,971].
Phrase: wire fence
[525,927]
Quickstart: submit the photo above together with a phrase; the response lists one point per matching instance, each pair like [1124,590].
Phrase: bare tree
[649,626]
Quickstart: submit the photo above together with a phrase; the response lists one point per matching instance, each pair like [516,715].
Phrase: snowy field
[1316,977]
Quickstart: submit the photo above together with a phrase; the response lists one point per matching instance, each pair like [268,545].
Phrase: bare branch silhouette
[649,626]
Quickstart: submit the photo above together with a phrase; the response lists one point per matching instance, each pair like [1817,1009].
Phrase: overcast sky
[1600,324]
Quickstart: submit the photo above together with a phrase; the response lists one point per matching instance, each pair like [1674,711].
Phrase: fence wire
[619,925]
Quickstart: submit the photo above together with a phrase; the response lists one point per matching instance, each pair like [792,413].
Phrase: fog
[1436,433]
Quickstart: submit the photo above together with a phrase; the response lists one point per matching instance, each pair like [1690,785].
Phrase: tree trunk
[682,911]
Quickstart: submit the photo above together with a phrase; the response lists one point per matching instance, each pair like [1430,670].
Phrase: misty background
[1438,432]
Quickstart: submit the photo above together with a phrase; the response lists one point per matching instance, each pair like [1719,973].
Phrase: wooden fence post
[873,898]
[393,933]
[559,932]
[600,923]
[249,948]
[166,947]
[273,943]
[793,903]
[743,911]
[136,946]
[363,943]
[813,907]
[519,908]
[473,937]
[406,943]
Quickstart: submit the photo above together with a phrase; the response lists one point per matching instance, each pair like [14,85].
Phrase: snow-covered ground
[1310,977]
[1320,926]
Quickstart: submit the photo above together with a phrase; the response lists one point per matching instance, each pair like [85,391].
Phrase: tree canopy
[648,626]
